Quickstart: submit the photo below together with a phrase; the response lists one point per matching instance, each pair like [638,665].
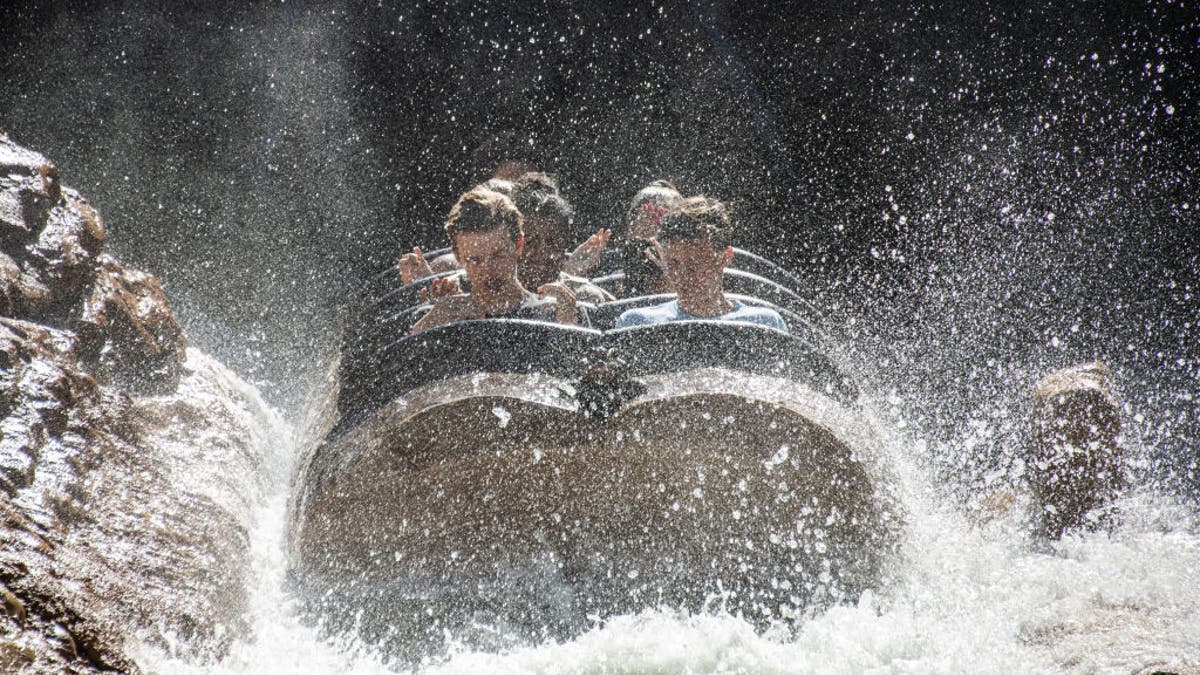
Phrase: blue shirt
[670,312]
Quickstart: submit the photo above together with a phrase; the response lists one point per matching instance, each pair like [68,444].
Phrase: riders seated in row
[508,237]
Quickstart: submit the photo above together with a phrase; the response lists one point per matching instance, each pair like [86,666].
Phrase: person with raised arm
[694,242]
[414,266]
[546,221]
[633,249]
[485,234]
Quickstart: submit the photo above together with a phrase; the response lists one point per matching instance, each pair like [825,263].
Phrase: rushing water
[978,195]
[965,598]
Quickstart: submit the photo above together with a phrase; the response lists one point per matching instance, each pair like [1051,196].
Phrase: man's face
[489,258]
[544,252]
[694,263]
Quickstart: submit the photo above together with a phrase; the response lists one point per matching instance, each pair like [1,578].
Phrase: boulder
[67,248]
[126,331]
[1076,467]
[29,187]
[128,465]
[53,270]
[114,526]
[21,291]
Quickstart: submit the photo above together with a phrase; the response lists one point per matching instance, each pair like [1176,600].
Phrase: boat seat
[388,279]
[746,261]
[735,281]
[746,347]
[610,281]
[362,351]
[521,346]
[407,295]
[465,347]
[385,316]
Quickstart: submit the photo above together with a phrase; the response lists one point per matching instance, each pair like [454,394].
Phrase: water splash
[964,598]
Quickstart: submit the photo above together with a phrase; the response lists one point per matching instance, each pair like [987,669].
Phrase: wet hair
[660,192]
[536,181]
[483,210]
[697,218]
[536,196]
[504,187]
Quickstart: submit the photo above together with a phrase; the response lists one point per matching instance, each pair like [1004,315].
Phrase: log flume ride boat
[495,481]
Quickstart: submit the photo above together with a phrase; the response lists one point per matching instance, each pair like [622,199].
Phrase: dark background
[975,193]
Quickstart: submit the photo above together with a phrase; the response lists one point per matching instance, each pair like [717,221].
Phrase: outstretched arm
[413,266]
[585,257]
[446,309]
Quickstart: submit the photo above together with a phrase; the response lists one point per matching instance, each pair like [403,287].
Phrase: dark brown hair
[536,196]
[536,181]
[483,210]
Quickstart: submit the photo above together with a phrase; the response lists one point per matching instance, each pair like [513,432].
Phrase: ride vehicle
[495,481]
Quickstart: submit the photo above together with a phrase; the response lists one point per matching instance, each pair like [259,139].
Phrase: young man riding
[485,234]
[696,247]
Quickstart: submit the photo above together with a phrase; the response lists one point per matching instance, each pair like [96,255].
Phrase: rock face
[1077,469]
[120,519]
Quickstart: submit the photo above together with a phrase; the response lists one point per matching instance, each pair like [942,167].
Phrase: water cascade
[966,200]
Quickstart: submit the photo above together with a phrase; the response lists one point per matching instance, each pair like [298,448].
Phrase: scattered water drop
[502,414]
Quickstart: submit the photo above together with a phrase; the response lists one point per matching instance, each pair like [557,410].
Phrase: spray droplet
[503,415]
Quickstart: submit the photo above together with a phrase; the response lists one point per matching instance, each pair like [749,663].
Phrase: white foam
[963,598]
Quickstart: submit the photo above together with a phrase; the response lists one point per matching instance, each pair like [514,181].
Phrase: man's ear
[520,242]
[727,256]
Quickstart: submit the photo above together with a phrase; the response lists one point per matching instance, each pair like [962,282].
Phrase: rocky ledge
[122,519]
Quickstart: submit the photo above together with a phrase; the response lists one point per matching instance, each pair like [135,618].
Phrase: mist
[974,194]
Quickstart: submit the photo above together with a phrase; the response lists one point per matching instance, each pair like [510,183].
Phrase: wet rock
[53,270]
[29,187]
[21,292]
[127,463]
[12,605]
[120,518]
[66,251]
[127,332]
[1076,465]
[16,658]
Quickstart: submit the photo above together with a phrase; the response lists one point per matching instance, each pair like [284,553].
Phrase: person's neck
[704,302]
[502,301]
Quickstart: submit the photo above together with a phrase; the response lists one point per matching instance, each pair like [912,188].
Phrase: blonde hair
[697,218]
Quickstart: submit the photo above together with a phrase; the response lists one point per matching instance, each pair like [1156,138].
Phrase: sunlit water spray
[994,192]
[963,598]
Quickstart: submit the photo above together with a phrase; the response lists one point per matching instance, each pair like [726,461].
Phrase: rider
[546,221]
[484,228]
[695,240]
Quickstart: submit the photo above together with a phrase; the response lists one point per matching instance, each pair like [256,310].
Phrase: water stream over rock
[978,197]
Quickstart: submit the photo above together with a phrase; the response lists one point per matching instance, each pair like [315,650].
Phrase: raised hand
[413,266]
[587,254]
[440,288]
[565,309]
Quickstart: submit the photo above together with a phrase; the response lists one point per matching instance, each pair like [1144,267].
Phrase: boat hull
[487,508]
